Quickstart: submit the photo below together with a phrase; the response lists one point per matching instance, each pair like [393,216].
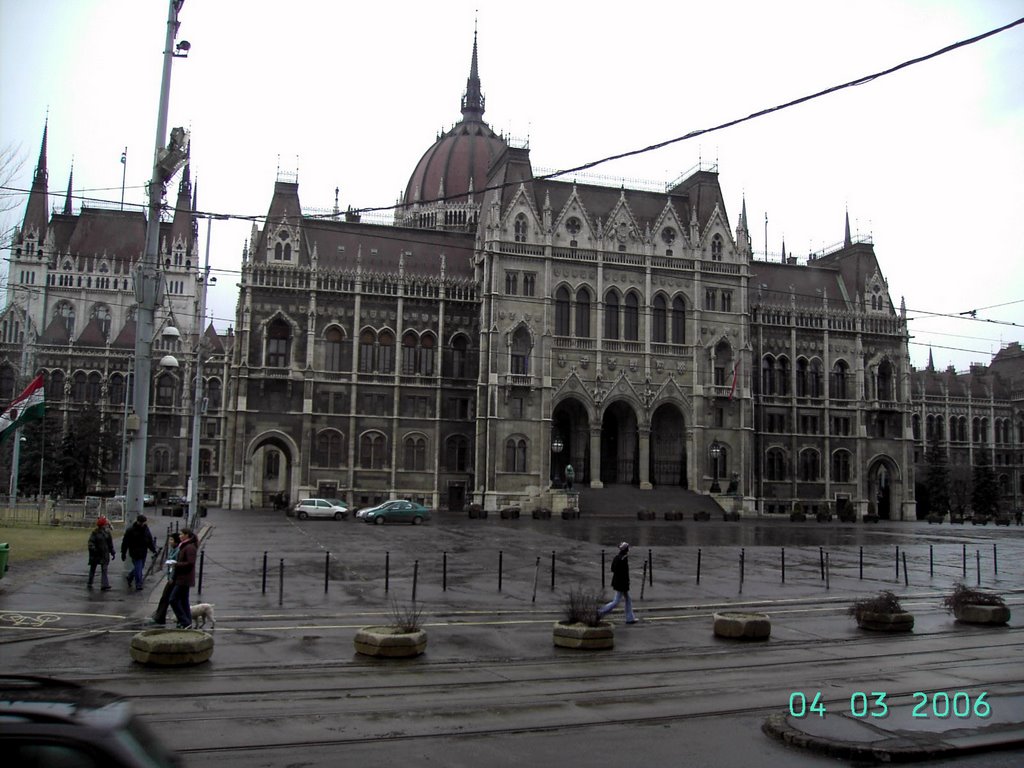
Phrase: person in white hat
[620,583]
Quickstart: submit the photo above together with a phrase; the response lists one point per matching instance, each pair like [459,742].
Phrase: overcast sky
[928,161]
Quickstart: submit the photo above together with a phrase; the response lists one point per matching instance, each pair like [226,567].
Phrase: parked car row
[396,510]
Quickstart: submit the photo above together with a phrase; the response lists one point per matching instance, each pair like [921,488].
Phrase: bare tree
[12,161]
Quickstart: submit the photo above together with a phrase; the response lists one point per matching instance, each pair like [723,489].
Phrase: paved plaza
[285,687]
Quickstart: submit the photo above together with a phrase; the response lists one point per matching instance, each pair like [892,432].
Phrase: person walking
[136,542]
[160,615]
[184,579]
[620,583]
[101,551]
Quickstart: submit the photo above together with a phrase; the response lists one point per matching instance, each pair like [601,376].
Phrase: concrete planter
[583,636]
[390,642]
[542,513]
[982,614]
[885,622]
[510,513]
[742,626]
[171,647]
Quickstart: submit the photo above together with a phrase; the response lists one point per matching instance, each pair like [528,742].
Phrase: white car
[318,508]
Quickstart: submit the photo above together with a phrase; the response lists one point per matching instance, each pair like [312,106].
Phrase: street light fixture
[716,454]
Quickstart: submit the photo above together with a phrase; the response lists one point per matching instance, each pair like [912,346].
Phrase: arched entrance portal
[270,471]
[883,484]
[619,445]
[668,447]
[570,427]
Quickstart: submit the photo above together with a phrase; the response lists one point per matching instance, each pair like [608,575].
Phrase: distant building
[510,325]
[70,314]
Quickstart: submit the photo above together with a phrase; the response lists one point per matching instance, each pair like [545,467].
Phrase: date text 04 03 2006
[939,704]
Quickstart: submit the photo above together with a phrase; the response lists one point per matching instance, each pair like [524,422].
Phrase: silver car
[318,508]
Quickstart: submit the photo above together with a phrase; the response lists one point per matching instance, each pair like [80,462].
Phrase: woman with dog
[184,578]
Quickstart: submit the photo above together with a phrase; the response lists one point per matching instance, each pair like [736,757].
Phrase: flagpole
[15,459]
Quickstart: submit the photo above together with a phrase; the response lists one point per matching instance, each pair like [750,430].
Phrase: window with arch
[66,312]
[841,466]
[367,345]
[716,248]
[460,357]
[330,449]
[410,342]
[884,381]
[93,388]
[272,464]
[810,465]
[333,340]
[55,386]
[801,377]
[214,395]
[611,315]
[425,364]
[456,453]
[775,465]
[515,454]
[583,313]
[373,451]
[78,388]
[840,380]
[678,320]
[562,311]
[659,320]
[520,228]
[116,390]
[165,386]
[782,371]
[206,466]
[7,392]
[520,352]
[415,451]
[278,338]
[814,383]
[768,375]
[161,460]
[631,325]
[283,247]
[915,427]
[101,313]
[386,352]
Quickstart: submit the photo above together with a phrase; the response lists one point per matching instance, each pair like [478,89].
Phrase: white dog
[200,613]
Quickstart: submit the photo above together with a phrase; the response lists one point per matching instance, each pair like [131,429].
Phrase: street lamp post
[556,448]
[716,454]
[148,284]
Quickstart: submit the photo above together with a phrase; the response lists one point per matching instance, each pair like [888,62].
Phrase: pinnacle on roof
[847,241]
[67,200]
[473,99]
[38,206]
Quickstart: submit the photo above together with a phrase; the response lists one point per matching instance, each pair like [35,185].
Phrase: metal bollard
[415,577]
[650,568]
[444,573]
[698,565]
[501,561]
[783,559]
[862,563]
[280,584]
[995,560]
[742,557]
[387,571]
[264,573]
[828,572]
[897,562]
[821,562]
[604,578]
[643,581]
[965,560]
[327,570]
[906,578]
[536,578]
[977,561]
[931,560]
[552,570]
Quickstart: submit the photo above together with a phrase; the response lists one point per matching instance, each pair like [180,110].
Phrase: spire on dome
[473,99]
[847,241]
[67,200]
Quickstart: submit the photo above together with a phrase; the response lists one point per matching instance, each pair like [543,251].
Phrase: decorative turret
[34,225]
[67,199]
[473,98]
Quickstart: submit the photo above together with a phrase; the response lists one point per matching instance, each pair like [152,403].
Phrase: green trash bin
[5,551]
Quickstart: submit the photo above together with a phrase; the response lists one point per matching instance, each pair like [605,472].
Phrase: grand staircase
[627,500]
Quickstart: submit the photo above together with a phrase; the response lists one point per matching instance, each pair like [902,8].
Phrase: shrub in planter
[674,515]
[934,518]
[580,626]
[731,517]
[824,517]
[402,638]
[542,513]
[797,516]
[702,514]
[476,512]
[645,514]
[848,515]
[882,613]
[510,513]
[972,606]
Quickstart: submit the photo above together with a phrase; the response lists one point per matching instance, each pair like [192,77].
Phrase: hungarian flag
[28,406]
[735,376]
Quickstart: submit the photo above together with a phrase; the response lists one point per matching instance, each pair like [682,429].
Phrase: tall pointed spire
[847,241]
[67,200]
[36,211]
[473,99]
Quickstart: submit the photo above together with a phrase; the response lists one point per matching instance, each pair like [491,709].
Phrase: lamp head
[169,362]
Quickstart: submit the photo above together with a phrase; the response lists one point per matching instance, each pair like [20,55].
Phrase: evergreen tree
[85,452]
[985,493]
[937,481]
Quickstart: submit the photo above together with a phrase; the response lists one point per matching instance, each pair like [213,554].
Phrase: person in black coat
[620,583]
[101,551]
[137,541]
